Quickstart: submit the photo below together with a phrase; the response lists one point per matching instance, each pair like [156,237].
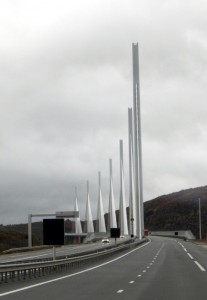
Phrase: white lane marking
[131,282]
[190,255]
[200,267]
[74,274]
[139,275]
[120,291]
[144,271]
[197,263]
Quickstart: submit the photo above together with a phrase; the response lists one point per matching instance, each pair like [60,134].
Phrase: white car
[105,241]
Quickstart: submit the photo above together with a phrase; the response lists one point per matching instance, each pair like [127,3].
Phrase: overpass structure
[60,214]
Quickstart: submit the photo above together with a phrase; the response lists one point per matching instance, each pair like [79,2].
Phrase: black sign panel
[115,232]
[53,232]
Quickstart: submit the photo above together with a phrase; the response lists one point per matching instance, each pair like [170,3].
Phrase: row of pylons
[135,223]
[100,219]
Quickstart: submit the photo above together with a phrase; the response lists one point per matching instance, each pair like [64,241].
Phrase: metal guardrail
[12,272]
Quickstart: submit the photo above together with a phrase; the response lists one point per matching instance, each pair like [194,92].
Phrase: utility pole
[199,212]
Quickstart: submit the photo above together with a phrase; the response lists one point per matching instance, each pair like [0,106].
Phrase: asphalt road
[163,269]
[60,252]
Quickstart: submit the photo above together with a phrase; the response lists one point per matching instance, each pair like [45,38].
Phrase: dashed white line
[71,275]
[139,275]
[131,282]
[197,263]
[120,291]
[190,255]
[200,267]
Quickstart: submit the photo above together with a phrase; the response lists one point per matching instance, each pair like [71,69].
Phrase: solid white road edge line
[74,274]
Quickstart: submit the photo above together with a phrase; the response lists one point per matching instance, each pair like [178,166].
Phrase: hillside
[176,211]
[15,236]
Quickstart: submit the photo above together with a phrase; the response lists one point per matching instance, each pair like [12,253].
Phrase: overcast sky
[65,89]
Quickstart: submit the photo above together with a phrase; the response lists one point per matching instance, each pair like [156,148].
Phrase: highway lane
[162,269]
[46,253]
[60,252]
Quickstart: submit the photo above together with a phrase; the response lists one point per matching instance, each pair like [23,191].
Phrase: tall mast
[132,208]
[137,143]
[112,212]
[100,211]
[122,205]
[88,215]
[78,228]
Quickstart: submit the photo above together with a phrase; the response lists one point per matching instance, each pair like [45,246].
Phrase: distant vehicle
[105,241]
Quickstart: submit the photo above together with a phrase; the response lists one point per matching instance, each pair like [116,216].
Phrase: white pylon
[88,215]
[132,207]
[78,228]
[122,204]
[100,211]
[137,143]
[112,223]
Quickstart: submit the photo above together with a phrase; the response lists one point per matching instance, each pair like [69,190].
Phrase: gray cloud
[66,84]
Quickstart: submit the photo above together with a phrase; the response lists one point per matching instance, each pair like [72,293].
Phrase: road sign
[115,232]
[53,232]
[67,214]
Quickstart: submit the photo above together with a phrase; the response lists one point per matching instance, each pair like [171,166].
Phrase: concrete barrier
[183,234]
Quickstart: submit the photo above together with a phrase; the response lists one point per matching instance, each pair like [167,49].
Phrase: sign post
[53,233]
[132,222]
[115,233]
[54,252]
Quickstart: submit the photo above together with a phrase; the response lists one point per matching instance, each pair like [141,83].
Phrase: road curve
[162,269]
